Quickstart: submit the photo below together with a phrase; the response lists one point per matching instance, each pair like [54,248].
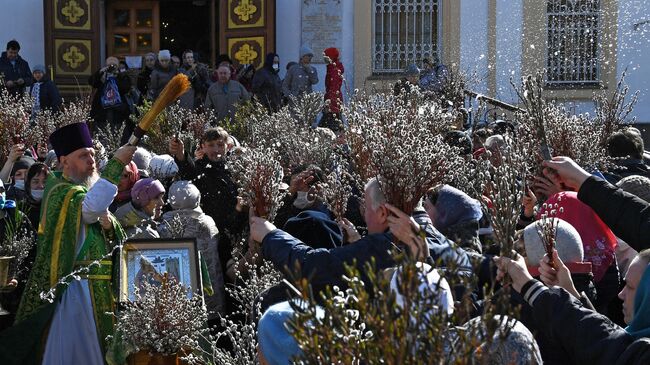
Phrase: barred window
[405,32]
[573,42]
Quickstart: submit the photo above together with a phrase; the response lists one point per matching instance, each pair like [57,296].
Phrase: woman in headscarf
[455,214]
[130,176]
[587,337]
[34,187]
[598,241]
[267,86]
[138,217]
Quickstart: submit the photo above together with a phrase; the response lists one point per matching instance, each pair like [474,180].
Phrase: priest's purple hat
[70,138]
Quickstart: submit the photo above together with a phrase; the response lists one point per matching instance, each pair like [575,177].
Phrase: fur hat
[567,243]
[637,185]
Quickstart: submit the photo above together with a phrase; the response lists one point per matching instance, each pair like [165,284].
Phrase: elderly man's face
[80,165]
[376,219]
[223,73]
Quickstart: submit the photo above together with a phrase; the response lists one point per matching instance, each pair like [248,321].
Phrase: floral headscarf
[597,239]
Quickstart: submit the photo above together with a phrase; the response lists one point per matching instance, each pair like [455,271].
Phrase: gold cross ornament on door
[245,9]
[72,11]
[73,57]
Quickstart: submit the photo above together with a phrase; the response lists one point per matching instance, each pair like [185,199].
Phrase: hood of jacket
[129,216]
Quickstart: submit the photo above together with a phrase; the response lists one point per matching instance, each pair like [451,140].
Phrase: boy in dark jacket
[44,91]
[15,70]
[208,172]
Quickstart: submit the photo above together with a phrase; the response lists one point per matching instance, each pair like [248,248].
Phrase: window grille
[405,32]
[573,42]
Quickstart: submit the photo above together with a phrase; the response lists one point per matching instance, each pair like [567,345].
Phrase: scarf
[134,175]
[597,239]
[640,325]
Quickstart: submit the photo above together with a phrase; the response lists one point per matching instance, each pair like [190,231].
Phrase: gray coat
[223,98]
[299,80]
[159,78]
[196,224]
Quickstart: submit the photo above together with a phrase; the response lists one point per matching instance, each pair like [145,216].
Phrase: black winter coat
[267,88]
[586,336]
[48,95]
[625,214]
[218,191]
[114,115]
[19,70]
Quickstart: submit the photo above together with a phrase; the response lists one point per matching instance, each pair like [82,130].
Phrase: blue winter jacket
[327,266]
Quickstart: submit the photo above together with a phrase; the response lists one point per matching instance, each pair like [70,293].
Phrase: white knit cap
[163,167]
[567,243]
[164,54]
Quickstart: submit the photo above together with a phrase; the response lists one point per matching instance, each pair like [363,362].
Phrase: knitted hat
[412,70]
[184,195]
[567,243]
[163,167]
[142,158]
[315,229]
[305,50]
[145,190]
[24,163]
[39,67]
[70,138]
[332,53]
[637,185]
[164,54]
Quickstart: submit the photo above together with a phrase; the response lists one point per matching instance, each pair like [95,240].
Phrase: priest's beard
[85,179]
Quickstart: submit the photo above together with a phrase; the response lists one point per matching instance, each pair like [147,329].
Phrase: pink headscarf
[597,239]
[134,175]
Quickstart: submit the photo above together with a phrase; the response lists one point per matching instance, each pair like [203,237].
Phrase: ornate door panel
[72,43]
[247,30]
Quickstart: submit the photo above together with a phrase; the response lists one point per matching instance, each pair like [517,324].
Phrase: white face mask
[19,184]
[301,201]
[276,66]
[37,195]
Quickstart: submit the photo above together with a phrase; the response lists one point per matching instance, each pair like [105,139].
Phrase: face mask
[37,195]
[19,184]
[301,201]
[276,67]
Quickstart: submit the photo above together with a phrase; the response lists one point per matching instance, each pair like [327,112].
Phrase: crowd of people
[585,301]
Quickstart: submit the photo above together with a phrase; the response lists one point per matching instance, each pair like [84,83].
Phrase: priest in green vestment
[75,230]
